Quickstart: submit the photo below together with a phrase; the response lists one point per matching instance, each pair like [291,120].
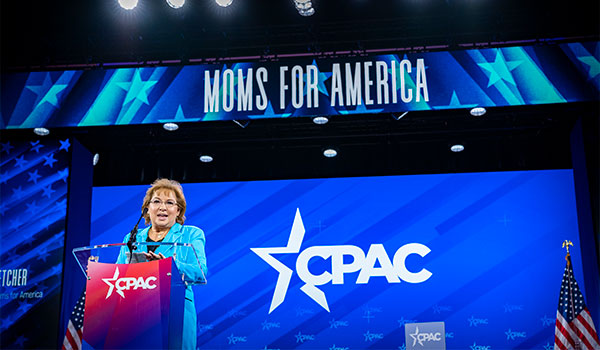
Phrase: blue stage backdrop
[508,76]
[361,257]
[33,192]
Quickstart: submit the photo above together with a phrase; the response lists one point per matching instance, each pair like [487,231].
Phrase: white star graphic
[414,336]
[111,284]
[285,273]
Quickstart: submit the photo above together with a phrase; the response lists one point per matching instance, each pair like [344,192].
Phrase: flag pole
[566,245]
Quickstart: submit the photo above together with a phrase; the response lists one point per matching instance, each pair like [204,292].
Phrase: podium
[137,305]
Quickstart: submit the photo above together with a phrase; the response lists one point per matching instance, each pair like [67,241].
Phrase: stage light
[176,3]
[306,13]
[41,131]
[304,7]
[330,153]
[457,148]
[96,159]
[128,4]
[478,111]
[205,158]
[223,3]
[320,120]
[170,126]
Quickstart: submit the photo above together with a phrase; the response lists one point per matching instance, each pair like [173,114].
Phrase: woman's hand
[151,256]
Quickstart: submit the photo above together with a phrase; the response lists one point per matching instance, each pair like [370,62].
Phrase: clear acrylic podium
[138,304]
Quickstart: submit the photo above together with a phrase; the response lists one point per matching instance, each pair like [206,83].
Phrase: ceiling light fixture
[176,3]
[330,153]
[477,111]
[41,131]
[205,158]
[304,7]
[223,3]
[128,4]
[320,120]
[170,126]
[96,159]
[457,148]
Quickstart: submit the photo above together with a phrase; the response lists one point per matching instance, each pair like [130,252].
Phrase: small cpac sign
[127,283]
[425,336]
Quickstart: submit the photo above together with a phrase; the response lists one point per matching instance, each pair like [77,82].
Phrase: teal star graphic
[269,113]
[361,109]
[455,103]
[137,88]
[594,65]
[321,77]
[179,117]
[47,91]
[500,69]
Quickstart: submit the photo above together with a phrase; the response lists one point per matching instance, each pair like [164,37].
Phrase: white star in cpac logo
[393,270]
[111,284]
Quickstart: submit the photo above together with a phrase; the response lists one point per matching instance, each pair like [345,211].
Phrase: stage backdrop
[480,251]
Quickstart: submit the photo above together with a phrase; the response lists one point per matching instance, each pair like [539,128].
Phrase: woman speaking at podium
[165,204]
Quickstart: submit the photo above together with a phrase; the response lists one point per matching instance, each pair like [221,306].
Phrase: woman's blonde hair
[168,185]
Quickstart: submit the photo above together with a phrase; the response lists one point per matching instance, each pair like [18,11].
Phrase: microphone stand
[133,235]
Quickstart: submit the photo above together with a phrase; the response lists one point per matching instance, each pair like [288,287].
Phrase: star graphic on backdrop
[17,192]
[179,117]
[64,145]
[24,306]
[6,321]
[321,77]
[6,147]
[47,91]
[35,146]
[3,209]
[49,160]
[48,191]
[361,109]
[14,224]
[500,69]
[32,207]
[20,162]
[548,346]
[455,103]
[269,113]
[63,174]
[137,88]
[3,177]
[33,176]
[285,273]
[42,254]
[593,63]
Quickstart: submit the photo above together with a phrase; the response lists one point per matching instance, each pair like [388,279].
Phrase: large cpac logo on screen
[394,270]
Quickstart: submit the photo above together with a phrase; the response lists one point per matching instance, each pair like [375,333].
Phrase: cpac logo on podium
[393,270]
[127,283]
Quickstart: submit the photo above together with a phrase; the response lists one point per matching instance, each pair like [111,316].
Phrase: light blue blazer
[185,263]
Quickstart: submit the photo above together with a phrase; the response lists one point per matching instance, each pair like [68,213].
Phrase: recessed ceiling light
[170,126]
[478,111]
[330,153]
[320,120]
[223,3]
[176,3]
[41,131]
[128,4]
[457,148]
[96,159]
[206,158]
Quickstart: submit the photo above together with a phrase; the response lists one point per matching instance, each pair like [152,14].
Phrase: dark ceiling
[41,33]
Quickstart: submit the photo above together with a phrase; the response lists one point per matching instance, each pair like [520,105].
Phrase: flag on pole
[574,326]
[74,332]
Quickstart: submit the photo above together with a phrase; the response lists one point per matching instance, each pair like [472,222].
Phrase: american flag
[74,332]
[574,326]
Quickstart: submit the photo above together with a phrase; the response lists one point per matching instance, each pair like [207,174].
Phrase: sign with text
[508,76]
[425,336]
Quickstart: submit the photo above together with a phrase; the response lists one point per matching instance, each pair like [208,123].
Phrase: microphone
[133,234]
